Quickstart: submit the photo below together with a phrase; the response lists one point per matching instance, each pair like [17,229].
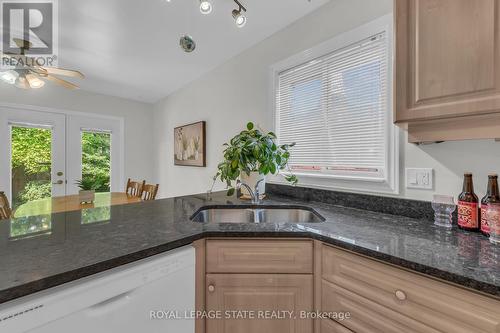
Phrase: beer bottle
[492,196]
[468,203]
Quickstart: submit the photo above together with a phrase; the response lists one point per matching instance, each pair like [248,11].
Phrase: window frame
[348,181]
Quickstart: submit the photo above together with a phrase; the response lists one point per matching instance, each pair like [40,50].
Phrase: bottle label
[467,214]
[485,226]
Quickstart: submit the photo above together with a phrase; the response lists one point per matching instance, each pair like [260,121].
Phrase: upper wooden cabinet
[447,68]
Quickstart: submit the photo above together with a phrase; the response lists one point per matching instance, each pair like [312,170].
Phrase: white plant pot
[86,196]
[252,181]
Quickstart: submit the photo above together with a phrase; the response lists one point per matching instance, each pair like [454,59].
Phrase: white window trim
[390,183]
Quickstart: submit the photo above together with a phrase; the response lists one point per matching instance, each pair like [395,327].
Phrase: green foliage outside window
[96,159]
[31,149]
[32,160]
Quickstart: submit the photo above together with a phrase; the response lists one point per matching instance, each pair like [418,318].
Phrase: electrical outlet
[419,178]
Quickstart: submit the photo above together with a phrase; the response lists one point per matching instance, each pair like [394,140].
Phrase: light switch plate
[420,178]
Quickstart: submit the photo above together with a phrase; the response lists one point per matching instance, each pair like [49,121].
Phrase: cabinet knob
[400,295]
[211,288]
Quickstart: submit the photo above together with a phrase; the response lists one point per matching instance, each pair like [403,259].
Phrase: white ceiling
[130,48]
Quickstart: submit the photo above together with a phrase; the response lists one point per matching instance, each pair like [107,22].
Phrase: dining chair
[149,192]
[135,188]
[5,211]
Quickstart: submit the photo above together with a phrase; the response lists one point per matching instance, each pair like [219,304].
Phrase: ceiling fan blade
[61,82]
[63,72]
[22,44]
[22,82]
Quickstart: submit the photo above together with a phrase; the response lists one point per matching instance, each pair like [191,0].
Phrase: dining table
[70,203]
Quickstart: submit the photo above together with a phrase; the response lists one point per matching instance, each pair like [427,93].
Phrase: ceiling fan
[27,74]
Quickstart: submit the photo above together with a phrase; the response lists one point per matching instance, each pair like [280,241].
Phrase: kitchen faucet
[255,194]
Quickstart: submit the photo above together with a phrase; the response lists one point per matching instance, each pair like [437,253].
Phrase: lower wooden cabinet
[382,298]
[330,326]
[274,300]
[269,292]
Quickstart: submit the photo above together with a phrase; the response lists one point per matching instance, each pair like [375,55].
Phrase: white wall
[138,119]
[237,92]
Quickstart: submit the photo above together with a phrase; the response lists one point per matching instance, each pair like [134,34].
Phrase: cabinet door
[447,58]
[263,296]
[260,256]
[330,326]
[384,299]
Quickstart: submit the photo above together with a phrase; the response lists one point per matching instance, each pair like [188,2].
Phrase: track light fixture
[239,18]
[205,7]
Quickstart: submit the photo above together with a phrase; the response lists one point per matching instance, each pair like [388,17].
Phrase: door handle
[59,182]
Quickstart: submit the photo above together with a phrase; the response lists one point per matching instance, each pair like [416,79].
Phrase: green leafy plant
[96,158]
[88,184]
[35,190]
[253,151]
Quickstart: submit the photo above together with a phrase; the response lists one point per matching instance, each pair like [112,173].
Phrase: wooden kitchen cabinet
[447,69]
[313,277]
[273,300]
[382,298]
[330,326]
[260,256]
[269,279]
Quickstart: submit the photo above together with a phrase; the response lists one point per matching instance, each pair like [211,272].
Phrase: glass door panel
[31,164]
[34,165]
[95,153]
[96,159]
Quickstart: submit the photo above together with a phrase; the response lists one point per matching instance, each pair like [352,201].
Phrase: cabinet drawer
[275,300]
[259,256]
[382,298]
[330,326]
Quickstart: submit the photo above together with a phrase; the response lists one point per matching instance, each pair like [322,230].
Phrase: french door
[43,154]
[33,155]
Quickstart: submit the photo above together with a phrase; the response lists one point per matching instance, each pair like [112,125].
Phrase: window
[335,105]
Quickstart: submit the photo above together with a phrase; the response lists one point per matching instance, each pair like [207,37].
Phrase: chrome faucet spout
[257,192]
[254,194]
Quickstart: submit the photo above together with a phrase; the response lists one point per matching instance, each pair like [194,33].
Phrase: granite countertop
[82,243]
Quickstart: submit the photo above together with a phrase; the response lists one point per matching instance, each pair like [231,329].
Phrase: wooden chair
[149,192]
[135,188]
[5,211]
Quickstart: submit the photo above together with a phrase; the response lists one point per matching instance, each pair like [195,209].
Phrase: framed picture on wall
[190,145]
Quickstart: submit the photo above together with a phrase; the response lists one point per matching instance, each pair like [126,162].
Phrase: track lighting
[205,7]
[239,18]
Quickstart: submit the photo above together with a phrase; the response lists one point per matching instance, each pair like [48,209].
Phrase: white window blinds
[335,109]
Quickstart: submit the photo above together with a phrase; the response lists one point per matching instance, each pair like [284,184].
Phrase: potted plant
[250,156]
[87,189]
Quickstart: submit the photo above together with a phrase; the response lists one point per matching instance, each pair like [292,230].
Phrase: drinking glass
[443,206]
[493,216]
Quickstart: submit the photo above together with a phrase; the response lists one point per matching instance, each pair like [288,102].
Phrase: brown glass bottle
[468,206]
[492,196]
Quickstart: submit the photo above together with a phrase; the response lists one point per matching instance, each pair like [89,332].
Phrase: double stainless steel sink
[257,214]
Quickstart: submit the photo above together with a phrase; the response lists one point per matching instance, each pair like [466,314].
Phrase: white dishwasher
[151,296]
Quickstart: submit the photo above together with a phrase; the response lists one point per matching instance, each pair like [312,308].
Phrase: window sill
[342,183]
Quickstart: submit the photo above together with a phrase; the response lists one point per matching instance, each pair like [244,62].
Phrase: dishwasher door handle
[110,304]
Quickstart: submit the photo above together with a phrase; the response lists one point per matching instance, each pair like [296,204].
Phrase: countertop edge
[17,292]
